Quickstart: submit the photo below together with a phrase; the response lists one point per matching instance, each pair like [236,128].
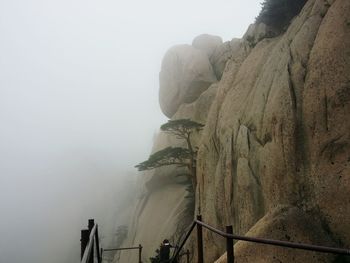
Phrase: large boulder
[207,43]
[186,72]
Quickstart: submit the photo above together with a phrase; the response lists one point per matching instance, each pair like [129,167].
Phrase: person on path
[164,254]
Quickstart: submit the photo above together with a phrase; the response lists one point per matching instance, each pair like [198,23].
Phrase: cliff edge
[274,156]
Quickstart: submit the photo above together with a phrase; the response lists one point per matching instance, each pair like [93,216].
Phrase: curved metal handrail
[139,248]
[175,256]
[273,242]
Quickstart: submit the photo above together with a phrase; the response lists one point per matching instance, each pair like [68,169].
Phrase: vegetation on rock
[167,156]
[278,13]
[180,156]
[182,129]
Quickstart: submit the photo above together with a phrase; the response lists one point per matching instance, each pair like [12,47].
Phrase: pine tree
[279,13]
[180,156]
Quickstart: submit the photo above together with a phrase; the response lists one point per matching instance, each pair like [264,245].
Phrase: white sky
[79,103]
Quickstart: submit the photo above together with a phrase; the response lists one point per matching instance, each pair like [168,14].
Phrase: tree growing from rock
[278,13]
[180,156]
[167,156]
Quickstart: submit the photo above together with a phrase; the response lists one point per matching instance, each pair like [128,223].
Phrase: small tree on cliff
[167,156]
[183,157]
[278,13]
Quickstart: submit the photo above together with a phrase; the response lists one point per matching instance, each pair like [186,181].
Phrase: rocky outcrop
[274,156]
[161,204]
[326,120]
[165,206]
[233,51]
[257,32]
[278,134]
[185,74]
[284,223]
[207,43]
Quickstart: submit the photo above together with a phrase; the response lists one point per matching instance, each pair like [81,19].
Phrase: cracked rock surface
[278,134]
[274,155]
[185,74]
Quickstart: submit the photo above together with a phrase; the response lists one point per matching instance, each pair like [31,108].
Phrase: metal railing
[187,254]
[89,240]
[124,248]
[230,237]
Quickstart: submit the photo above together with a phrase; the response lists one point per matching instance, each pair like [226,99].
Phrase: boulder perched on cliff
[186,72]
[207,43]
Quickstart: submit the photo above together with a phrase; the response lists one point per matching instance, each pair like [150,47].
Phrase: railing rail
[139,247]
[90,240]
[187,254]
[177,252]
[230,237]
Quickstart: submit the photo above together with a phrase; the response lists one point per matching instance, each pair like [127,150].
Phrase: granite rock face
[162,203]
[257,32]
[165,207]
[274,155]
[207,43]
[185,74]
[284,223]
[326,116]
[278,135]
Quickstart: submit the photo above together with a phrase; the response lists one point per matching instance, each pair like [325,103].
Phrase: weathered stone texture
[207,43]
[278,134]
[288,224]
[274,156]
[185,74]
[163,208]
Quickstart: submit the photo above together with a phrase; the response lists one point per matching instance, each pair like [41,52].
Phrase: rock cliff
[274,156]
[165,206]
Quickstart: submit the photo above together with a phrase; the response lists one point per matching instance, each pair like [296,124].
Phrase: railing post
[187,256]
[83,241]
[229,245]
[91,226]
[140,253]
[200,240]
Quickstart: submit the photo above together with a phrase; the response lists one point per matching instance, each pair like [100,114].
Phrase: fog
[79,108]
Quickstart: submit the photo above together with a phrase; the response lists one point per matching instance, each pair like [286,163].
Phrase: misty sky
[79,107]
